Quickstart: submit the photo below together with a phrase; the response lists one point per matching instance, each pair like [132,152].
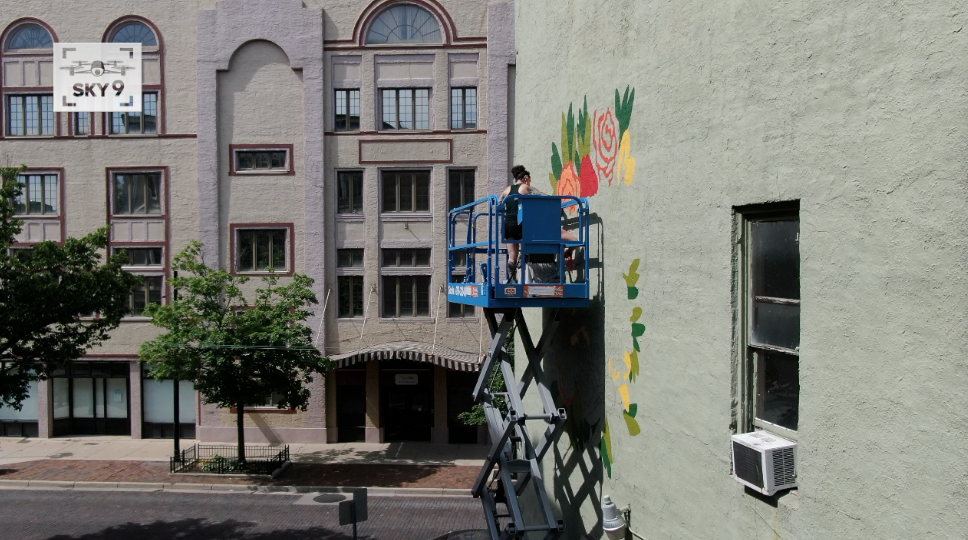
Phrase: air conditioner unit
[764,462]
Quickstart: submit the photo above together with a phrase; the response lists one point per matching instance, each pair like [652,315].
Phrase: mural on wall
[596,150]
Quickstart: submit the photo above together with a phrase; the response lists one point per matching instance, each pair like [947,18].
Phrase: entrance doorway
[407,396]
[92,399]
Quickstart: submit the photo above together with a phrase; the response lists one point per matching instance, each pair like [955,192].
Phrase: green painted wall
[857,110]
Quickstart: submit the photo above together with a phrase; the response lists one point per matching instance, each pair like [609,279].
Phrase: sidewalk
[110,461]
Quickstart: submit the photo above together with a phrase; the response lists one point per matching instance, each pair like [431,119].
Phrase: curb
[230,488]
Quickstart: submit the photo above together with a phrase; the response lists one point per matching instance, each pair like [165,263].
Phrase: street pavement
[33,514]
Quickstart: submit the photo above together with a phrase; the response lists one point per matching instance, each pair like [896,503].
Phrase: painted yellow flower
[626,162]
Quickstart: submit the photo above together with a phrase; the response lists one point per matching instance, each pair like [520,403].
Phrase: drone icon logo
[97,77]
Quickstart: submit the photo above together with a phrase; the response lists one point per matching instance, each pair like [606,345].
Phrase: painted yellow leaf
[612,371]
[626,163]
[608,443]
[636,313]
[624,392]
[632,424]
[628,362]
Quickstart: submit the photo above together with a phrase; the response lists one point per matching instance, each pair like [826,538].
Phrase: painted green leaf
[638,329]
[565,152]
[605,459]
[635,345]
[556,165]
[607,449]
[633,408]
[632,424]
[571,132]
[633,293]
[624,112]
[636,313]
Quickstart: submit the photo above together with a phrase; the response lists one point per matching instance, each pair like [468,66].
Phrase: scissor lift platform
[478,276]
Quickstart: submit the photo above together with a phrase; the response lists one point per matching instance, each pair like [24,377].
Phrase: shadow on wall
[576,371]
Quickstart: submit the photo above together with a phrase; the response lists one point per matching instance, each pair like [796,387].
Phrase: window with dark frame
[261,250]
[146,121]
[406,296]
[406,191]
[463,108]
[460,188]
[406,108]
[349,192]
[350,296]
[772,324]
[261,160]
[30,115]
[146,292]
[349,258]
[347,110]
[406,257]
[137,193]
[38,195]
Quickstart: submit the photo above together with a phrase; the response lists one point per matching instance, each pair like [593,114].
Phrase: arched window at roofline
[16,31]
[441,20]
[125,24]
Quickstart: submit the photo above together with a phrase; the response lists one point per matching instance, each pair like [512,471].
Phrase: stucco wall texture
[859,112]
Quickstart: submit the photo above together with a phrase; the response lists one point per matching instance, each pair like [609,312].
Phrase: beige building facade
[324,138]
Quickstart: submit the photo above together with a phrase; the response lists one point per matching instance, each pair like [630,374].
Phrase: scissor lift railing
[484,283]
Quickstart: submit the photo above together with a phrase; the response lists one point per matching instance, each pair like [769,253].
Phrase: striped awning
[414,351]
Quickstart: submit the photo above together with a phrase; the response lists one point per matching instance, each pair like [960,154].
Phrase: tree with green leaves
[45,291]
[236,352]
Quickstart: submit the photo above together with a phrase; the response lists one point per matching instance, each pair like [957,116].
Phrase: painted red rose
[605,144]
[588,178]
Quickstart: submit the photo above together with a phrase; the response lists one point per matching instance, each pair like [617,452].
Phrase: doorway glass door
[97,394]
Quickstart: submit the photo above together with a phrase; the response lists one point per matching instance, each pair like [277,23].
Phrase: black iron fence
[224,459]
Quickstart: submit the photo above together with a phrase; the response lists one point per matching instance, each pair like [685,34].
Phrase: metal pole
[175,393]
[353,513]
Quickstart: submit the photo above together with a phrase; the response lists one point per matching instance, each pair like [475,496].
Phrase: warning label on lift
[472,291]
[551,291]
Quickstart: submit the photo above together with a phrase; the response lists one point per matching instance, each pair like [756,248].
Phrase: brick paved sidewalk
[298,474]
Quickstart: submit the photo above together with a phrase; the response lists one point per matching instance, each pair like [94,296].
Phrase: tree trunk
[240,411]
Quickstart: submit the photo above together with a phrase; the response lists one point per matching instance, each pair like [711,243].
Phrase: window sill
[418,320]
[264,410]
[263,273]
[406,216]
[355,216]
[135,319]
[37,216]
[29,137]
[267,172]
[134,135]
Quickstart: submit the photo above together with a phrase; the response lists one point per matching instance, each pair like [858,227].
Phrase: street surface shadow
[200,529]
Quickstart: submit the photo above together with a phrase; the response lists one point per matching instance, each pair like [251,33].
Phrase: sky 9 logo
[97,77]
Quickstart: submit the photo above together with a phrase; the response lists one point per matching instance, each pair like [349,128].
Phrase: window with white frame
[347,109]
[406,108]
[38,195]
[137,193]
[262,250]
[406,296]
[349,192]
[771,302]
[30,115]
[463,108]
[130,123]
[406,191]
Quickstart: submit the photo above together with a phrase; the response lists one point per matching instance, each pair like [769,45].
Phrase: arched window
[135,32]
[30,36]
[404,23]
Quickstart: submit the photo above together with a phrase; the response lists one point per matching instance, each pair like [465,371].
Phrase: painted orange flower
[569,183]
[605,144]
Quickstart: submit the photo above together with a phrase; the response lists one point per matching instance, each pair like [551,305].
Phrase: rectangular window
[137,193]
[463,108]
[145,121]
[140,256]
[262,160]
[460,188]
[406,191]
[771,260]
[406,296]
[349,258]
[347,111]
[29,115]
[459,311]
[350,296]
[406,257]
[406,108]
[261,250]
[82,123]
[146,292]
[349,192]
[38,195]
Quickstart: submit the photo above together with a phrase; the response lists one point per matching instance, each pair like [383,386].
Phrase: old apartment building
[322,137]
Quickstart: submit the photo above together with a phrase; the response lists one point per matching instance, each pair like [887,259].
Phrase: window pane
[422,257]
[16,122]
[389,193]
[390,257]
[32,114]
[779,388]
[153,285]
[389,109]
[83,398]
[246,251]
[150,110]
[20,201]
[62,400]
[406,192]
[344,193]
[153,193]
[454,190]
[47,115]
[121,187]
[35,194]
[354,120]
[340,109]
[82,123]
[406,296]
[390,297]
[261,250]
[470,108]
[422,285]
[776,258]
[406,108]
[423,108]
[133,122]
[50,194]
[278,160]
[118,123]
[278,261]
[349,258]
[357,183]
[261,160]
[456,108]
[776,324]
[423,192]
[139,192]
[243,160]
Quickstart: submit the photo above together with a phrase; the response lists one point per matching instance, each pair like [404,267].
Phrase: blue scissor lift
[482,253]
